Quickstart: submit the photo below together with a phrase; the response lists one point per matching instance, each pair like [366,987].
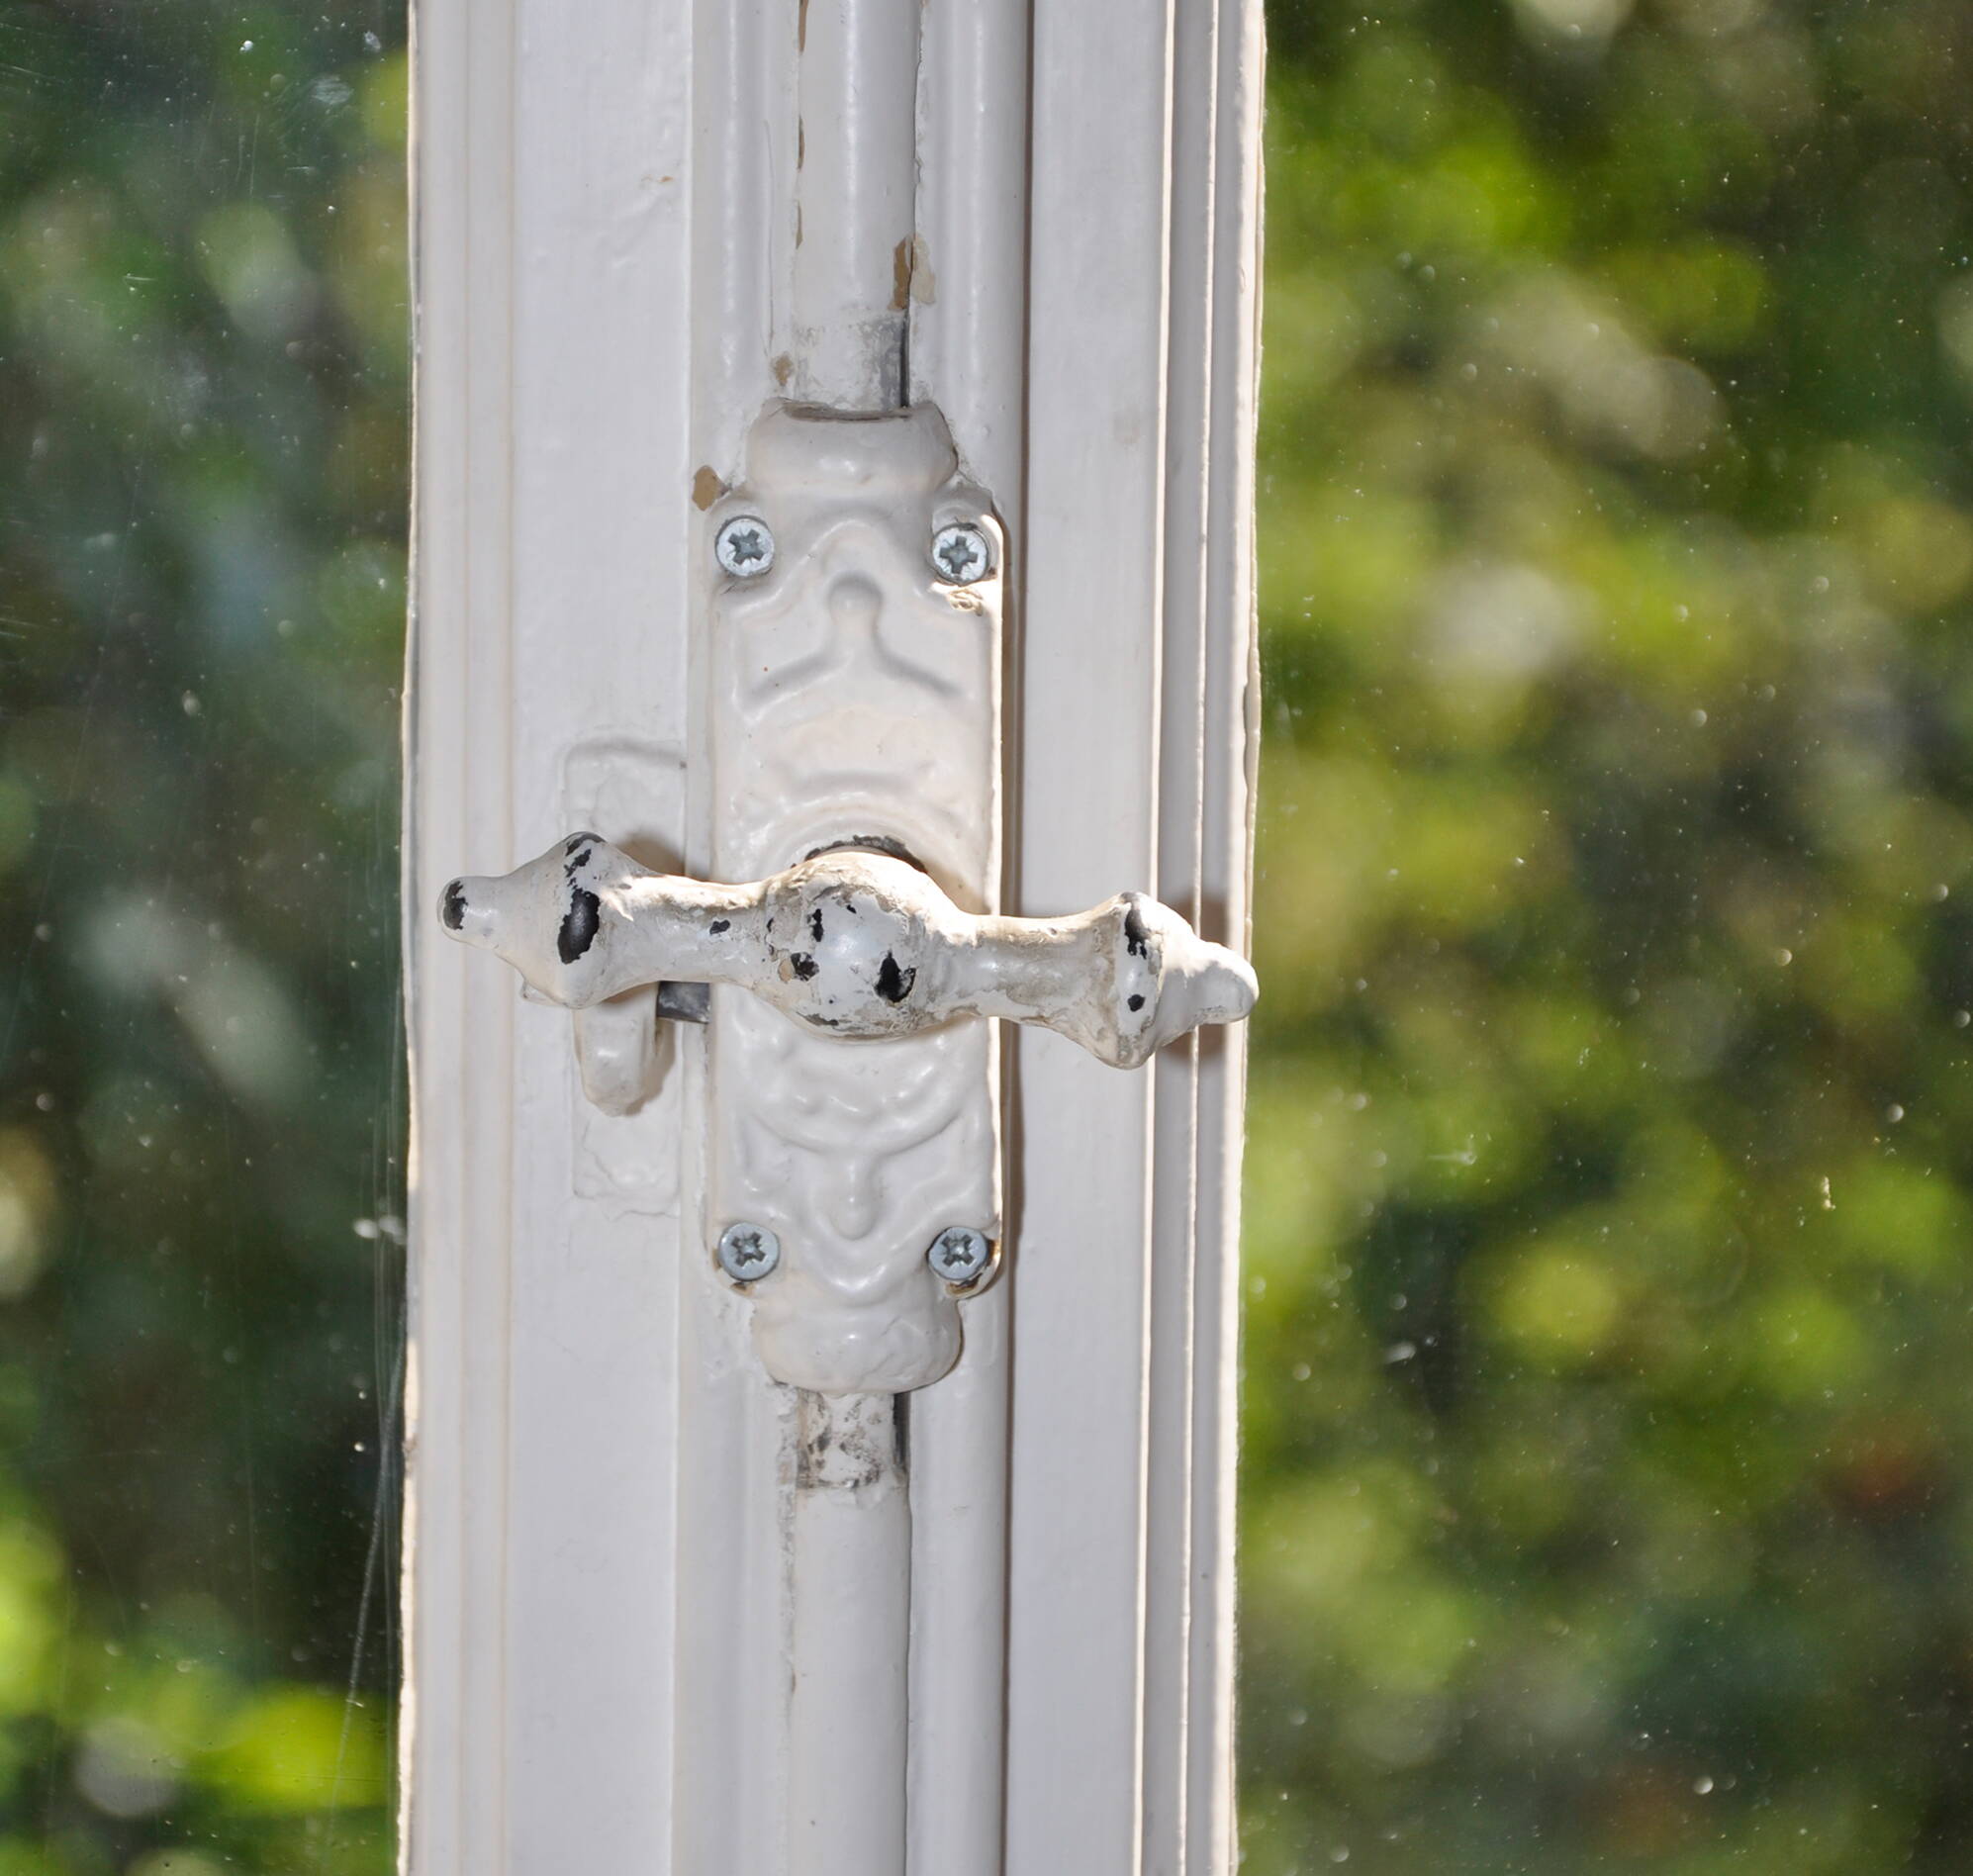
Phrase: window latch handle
[852,944]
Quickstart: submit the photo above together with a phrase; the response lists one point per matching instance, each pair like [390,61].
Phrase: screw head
[744,546]
[747,1253]
[961,1255]
[961,553]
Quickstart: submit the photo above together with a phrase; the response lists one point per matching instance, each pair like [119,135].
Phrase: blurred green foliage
[202,388]
[1609,1272]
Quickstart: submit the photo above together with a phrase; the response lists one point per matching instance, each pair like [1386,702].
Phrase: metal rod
[856,185]
[850,1553]
[850,1536]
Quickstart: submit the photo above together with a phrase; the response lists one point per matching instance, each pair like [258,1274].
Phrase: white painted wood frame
[606,197]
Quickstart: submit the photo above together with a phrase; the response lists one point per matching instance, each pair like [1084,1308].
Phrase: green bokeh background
[1608,1278]
[1606,1503]
[203,449]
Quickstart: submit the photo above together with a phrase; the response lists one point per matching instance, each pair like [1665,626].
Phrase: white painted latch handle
[855,944]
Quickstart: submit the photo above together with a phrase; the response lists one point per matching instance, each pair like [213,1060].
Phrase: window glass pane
[203,408]
[1608,1220]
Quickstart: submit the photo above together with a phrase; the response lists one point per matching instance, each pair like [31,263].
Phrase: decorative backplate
[855,702]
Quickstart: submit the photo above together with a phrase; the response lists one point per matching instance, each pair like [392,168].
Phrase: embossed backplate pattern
[855,699]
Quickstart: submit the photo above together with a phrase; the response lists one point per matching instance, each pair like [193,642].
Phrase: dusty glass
[203,384]
[1608,1275]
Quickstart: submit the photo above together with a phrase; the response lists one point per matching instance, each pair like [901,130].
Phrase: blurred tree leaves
[1608,1256]
[203,448]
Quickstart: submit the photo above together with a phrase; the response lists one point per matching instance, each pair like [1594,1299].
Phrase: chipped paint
[911,276]
[586,922]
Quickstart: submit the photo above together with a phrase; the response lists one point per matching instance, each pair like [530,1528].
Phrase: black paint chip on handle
[580,925]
